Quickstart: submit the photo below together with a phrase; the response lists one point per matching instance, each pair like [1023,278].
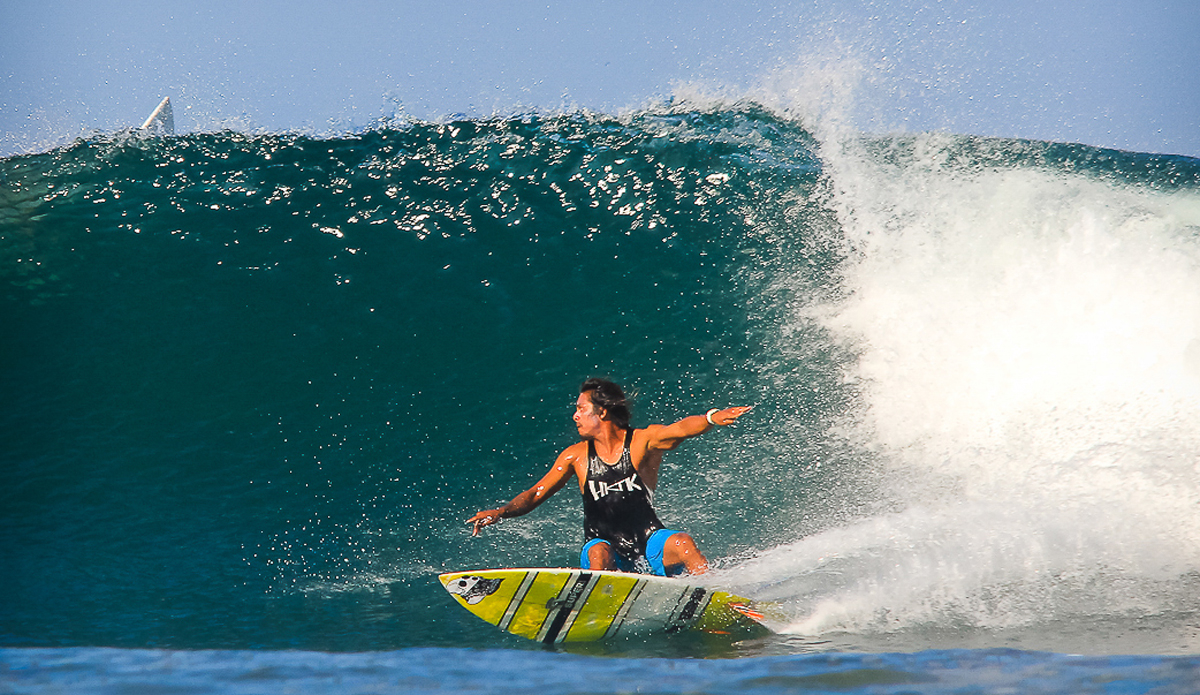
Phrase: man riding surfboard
[617,469]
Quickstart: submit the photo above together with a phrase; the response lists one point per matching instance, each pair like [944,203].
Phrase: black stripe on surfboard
[578,605]
[565,605]
[690,609]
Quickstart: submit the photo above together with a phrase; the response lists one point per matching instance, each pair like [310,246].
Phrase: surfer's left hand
[729,415]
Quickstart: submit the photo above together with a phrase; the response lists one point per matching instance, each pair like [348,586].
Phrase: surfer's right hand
[485,518]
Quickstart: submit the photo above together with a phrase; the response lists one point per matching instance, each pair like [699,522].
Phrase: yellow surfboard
[576,605]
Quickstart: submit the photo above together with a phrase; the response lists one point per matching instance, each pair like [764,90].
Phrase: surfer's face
[587,416]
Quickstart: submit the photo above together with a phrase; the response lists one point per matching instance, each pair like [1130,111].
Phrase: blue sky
[1114,73]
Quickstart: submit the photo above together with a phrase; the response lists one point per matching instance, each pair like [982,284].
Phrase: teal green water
[253,385]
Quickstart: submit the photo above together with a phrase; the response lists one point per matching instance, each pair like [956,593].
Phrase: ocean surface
[253,385]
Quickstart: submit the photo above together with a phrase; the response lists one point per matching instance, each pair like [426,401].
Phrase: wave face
[254,384]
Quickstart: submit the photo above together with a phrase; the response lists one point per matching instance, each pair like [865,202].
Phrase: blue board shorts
[655,546]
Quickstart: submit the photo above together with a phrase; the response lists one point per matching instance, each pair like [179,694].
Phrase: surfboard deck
[553,605]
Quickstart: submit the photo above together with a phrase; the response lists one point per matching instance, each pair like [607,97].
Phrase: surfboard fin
[747,611]
[162,121]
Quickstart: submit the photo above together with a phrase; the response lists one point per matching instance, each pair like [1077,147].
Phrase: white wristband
[708,416]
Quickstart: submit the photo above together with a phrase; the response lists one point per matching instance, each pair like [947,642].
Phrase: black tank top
[617,505]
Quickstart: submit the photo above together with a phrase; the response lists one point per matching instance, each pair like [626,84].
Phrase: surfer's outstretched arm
[667,437]
[527,501]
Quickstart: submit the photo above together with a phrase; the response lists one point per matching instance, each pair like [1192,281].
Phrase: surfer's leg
[673,552]
[598,555]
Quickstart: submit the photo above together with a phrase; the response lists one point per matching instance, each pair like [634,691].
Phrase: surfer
[617,468]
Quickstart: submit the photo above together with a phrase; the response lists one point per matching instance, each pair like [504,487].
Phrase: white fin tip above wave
[161,121]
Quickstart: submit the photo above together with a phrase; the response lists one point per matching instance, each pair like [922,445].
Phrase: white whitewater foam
[1029,361]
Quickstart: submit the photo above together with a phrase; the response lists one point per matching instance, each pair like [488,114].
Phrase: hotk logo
[600,489]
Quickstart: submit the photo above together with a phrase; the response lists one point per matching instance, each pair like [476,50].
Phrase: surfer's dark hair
[605,394]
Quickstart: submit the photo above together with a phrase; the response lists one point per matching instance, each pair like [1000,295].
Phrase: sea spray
[1025,335]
